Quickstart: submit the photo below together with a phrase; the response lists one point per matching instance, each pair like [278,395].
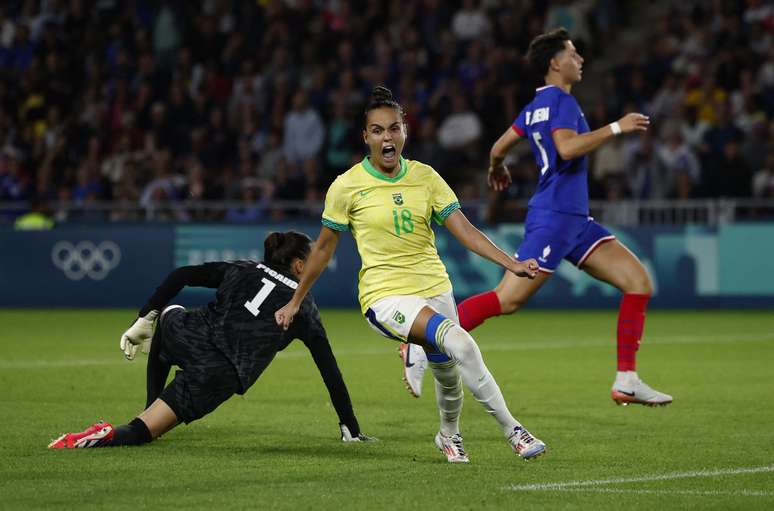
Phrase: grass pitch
[278,448]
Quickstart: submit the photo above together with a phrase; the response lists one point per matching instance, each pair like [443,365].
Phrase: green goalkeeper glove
[138,336]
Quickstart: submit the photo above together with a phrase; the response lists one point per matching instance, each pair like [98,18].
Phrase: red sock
[631,320]
[476,309]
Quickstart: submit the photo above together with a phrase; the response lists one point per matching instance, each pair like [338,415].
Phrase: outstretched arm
[476,241]
[202,275]
[322,251]
[571,145]
[320,348]
[138,335]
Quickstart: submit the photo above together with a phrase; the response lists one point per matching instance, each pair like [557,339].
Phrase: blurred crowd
[259,102]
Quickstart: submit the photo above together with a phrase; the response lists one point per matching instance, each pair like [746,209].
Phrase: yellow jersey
[390,221]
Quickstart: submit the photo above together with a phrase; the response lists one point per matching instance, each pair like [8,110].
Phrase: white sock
[448,395]
[460,346]
[626,377]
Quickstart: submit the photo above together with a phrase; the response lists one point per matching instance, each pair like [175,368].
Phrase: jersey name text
[539,115]
[288,282]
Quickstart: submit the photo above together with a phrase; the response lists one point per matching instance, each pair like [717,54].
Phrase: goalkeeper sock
[134,433]
[448,395]
[451,339]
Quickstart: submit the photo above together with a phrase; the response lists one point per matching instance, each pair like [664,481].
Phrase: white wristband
[615,128]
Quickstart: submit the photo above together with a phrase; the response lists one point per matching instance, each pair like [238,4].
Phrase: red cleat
[96,435]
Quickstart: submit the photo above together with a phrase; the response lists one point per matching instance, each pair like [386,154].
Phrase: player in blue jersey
[558,224]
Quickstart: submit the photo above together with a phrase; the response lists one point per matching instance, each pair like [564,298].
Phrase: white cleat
[452,447]
[347,437]
[633,390]
[414,365]
[525,445]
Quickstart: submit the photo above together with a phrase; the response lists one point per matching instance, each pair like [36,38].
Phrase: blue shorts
[551,236]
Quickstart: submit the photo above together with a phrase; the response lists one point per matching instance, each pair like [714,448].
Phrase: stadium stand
[245,111]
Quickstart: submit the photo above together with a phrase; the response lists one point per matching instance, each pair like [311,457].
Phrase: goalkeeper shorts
[206,379]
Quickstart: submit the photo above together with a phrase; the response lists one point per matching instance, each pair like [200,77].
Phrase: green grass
[278,448]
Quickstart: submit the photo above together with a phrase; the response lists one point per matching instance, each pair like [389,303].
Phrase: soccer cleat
[452,447]
[96,435]
[635,391]
[525,445]
[414,365]
[346,436]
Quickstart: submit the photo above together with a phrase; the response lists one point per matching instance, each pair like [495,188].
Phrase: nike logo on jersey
[363,194]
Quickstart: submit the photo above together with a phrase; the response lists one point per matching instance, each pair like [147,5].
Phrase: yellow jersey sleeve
[337,205]
[444,200]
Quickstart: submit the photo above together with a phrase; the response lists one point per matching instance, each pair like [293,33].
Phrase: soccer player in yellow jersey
[387,203]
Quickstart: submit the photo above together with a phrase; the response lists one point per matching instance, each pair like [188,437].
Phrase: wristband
[615,128]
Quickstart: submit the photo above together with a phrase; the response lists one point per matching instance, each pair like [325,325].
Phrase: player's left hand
[139,335]
[528,268]
[498,178]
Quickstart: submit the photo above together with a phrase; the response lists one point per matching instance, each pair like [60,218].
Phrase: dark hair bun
[381,97]
[280,248]
[380,93]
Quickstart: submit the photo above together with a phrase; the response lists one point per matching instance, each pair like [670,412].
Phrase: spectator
[304,131]
[645,178]
[461,129]
[340,137]
[729,175]
[667,101]
[470,21]
[36,219]
[763,180]
[680,164]
[708,99]
[717,137]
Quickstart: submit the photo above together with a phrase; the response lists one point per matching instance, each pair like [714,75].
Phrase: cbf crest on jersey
[397,198]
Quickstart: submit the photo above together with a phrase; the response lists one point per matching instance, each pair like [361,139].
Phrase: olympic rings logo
[86,259]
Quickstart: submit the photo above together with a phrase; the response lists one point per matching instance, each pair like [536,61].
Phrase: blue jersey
[563,184]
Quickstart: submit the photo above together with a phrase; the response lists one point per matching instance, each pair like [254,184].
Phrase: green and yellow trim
[441,217]
[333,225]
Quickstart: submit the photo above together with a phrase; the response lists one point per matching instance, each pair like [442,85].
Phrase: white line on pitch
[385,348]
[658,477]
[707,493]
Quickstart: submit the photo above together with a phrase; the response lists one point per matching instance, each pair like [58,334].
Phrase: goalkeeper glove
[346,436]
[139,335]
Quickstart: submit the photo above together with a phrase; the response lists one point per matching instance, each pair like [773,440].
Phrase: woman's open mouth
[389,153]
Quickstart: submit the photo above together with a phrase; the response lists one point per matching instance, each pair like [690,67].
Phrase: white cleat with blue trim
[452,447]
[525,445]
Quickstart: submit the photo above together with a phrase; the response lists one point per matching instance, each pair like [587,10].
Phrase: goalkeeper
[221,349]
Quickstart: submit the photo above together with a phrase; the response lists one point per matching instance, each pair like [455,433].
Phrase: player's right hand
[498,178]
[634,122]
[139,335]
[528,268]
[285,315]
